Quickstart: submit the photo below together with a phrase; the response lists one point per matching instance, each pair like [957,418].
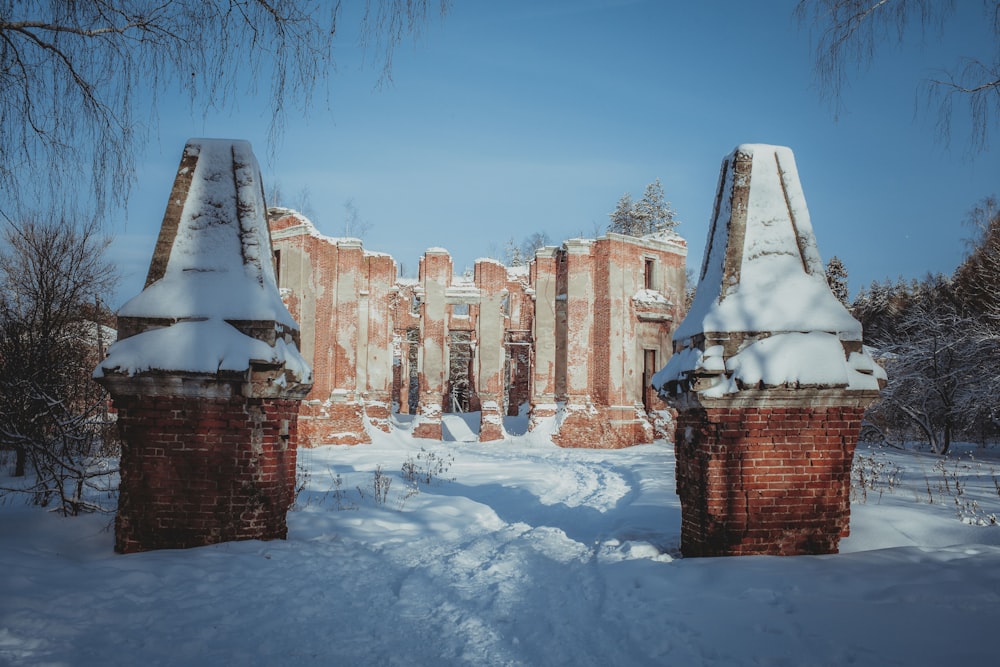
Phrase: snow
[650,297]
[520,271]
[219,270]
[220,263]
[773,289]
[814,358]
[308,227]
[530,555]
[782,285]
[207,346]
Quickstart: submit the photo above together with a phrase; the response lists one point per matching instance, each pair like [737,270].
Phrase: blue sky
[504,119]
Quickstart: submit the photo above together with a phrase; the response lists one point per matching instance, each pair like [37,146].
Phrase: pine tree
[836,277]
[978,277]
[654,213]
[623,217]
[512,253]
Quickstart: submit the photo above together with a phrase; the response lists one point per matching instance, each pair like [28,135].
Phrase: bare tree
[939,339]
[690,287]
[354,225]
[79,79]
[943,363]
[51,276]
[533,242]
[851,31]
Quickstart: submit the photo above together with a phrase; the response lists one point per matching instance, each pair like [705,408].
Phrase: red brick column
[206,374]
[765,478]
[436,271]
[197,471]
[333,422]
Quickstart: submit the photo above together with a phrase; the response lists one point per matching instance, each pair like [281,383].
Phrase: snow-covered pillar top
[211,306]
[763,315]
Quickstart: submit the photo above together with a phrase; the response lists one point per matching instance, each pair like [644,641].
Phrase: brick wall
[435,276]
[605,428]
[765,480]
[563,329]
[331,423]
[198,471]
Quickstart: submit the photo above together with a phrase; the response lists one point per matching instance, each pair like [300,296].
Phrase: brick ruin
[205,375]
[768,374]
[574,335]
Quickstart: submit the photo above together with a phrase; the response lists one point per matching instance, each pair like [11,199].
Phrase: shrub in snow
[427,467]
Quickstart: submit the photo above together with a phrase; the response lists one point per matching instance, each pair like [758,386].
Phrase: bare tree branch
[849,33]
[80,79]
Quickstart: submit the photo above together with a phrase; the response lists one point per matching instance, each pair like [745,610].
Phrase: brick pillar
[766,475]
[583,422]
[436,270]
[549,347]
[206,374]
[768,375]
[343,409]
[379,340]
[491,279]
[199,470]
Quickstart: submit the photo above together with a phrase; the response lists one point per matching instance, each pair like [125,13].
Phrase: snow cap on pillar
[763,315]
[211,305]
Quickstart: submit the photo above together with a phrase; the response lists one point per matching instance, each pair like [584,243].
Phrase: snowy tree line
[939,340]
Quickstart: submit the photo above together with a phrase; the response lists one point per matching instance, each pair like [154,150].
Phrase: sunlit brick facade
[574,335]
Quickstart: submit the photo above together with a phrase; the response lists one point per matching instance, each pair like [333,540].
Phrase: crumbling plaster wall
[614,291]
[341,293]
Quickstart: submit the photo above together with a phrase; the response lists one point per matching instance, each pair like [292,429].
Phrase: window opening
[459,371]
[648,370]
[413,387]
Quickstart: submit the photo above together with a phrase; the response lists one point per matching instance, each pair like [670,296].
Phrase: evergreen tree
[512,253]
[978,277]
[653,212]
[623,217]
[836,277]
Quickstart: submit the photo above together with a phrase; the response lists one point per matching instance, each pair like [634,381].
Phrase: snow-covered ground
[517,553]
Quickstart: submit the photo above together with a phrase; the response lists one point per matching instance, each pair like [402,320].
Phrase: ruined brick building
[574,335]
